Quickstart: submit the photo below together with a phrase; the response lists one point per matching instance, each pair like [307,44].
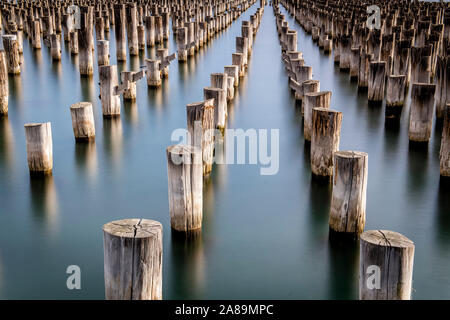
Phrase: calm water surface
[263,236]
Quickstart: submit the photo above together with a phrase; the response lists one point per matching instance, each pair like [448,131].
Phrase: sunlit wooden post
[39,147]
[108,82]
[4,89]
[83,121]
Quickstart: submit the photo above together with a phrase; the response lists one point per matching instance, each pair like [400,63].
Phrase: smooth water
[263,236]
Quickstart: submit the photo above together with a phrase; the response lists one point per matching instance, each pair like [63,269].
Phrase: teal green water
[263,236]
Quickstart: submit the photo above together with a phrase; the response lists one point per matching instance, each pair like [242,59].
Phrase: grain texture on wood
[39,147]
[133,259]
[83,121]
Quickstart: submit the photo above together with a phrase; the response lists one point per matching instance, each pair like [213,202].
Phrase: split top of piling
[386,238]
[80,105]
[350,154]
[133,228]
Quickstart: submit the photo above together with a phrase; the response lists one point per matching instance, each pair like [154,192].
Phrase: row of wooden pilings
[39,136]
[387,253]
[410,49]
[134,246]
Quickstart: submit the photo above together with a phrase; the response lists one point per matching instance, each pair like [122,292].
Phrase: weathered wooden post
[232,72]
[308,86]
[120,34]
[153,73]
[376,83]
[39,147]
[385,266]
[103,52]
[354,62]
[131,26]
[133,259]
[421,112]
[303,73]
[190,37]
[445,144]
[158,29]
[36,35]
[230,88]
[348,202]
[83,121]
[150,29]
[11,48]
[108,82]
[161,55]
[73,45]
[200,125]
[242,47]
[185,175]
[326,131]
[442,85]
[364,63]
[4,91]
[126,77]
[55,46]
[181,44]
[395,95]
[141,37]
[219,96]
[85,43]
[238,60]
[313,100]
[99,28]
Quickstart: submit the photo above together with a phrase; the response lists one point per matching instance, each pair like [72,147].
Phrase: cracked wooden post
[83,121]
[326,132]
[302,73]
[190,37]
[4,91]
[85,43]
[354,62]
[108,82]
[230,88]
[73,45]
[181,44]
[127,77]
[36,35]
[219,96]
[421,112]
[162,54]
[444,155]
[39,148]
[185,175]
[308,86]
[150,29]
[232,72]
[166,25]
[119,32]
[200,124]
[376,81]
[442,85]
[247,32]
[345,53]
[55,46]
[385,266]
[153,73]
[291,40]
[158,29]
[133,259]
[312,100]
[11,48]
[103,52]
[348,201]
[395,95]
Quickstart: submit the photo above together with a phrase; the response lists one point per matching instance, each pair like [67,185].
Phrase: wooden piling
[11,48]
[348,201]
[55,46]
[83,121]
[4,91]
[200,125]
[120,34]
[39,148]
[161,55]
[153,73]
[181,44]
[444,154]
[220,98]
[133,259]
[386,266]
[185,175]
[73,45]
[313,100]
[233,71]
[421,112]
[376,81]
[326,131]
[108,84]
[126,77]
[103,52]
[395,95]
